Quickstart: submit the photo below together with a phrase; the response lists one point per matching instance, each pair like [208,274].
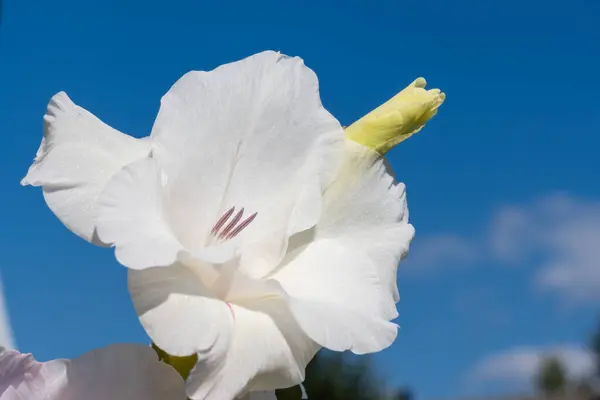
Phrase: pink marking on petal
[242,226]
[230,309]
[232,224]
[222,221]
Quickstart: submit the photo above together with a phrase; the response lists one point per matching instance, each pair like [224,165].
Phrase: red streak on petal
[230,309]
[242,226]
[222,221]
[232,224]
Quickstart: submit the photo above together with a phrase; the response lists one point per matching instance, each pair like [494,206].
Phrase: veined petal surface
[254,134]
[77,157]
[341,275]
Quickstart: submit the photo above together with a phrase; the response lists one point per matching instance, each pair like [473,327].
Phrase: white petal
[268,351]
[337,298]
[219,253]
[366,210]
[77,157]
[258,126]
[131,216]
[194,196]
[180,314]
[355,248]
[117,372]
[134,216]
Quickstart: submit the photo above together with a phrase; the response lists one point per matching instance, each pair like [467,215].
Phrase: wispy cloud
[6,335]
[508,239]
[519,365]
[563,234]
[557,235]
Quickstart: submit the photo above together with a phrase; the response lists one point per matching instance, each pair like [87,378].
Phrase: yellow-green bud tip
[397,119]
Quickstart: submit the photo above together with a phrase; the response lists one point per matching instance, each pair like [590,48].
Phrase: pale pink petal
[116,372]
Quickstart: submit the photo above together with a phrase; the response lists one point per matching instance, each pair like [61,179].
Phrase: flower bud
[397,119]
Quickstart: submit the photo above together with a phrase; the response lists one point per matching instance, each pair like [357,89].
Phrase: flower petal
[180,314]
[336,296]
[116,372]
[355,248]
[259,126]
[77,157]
[366,210]
[268,351]
[21,377]
[131,216]
[122,372]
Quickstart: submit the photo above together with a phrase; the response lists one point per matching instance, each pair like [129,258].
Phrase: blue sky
[502,185]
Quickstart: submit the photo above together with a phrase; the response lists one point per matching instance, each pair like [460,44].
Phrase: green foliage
[595,347]
[403,394]
[552,377]
[333,376]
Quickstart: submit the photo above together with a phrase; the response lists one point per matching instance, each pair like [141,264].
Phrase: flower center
[227,227]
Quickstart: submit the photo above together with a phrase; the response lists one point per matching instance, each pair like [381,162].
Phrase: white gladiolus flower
[254,232]
[116,372]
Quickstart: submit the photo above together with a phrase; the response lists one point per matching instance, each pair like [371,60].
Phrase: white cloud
[509,234]
[520,365]
[443,250]
[6,336]
[557,235]
[561,234]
